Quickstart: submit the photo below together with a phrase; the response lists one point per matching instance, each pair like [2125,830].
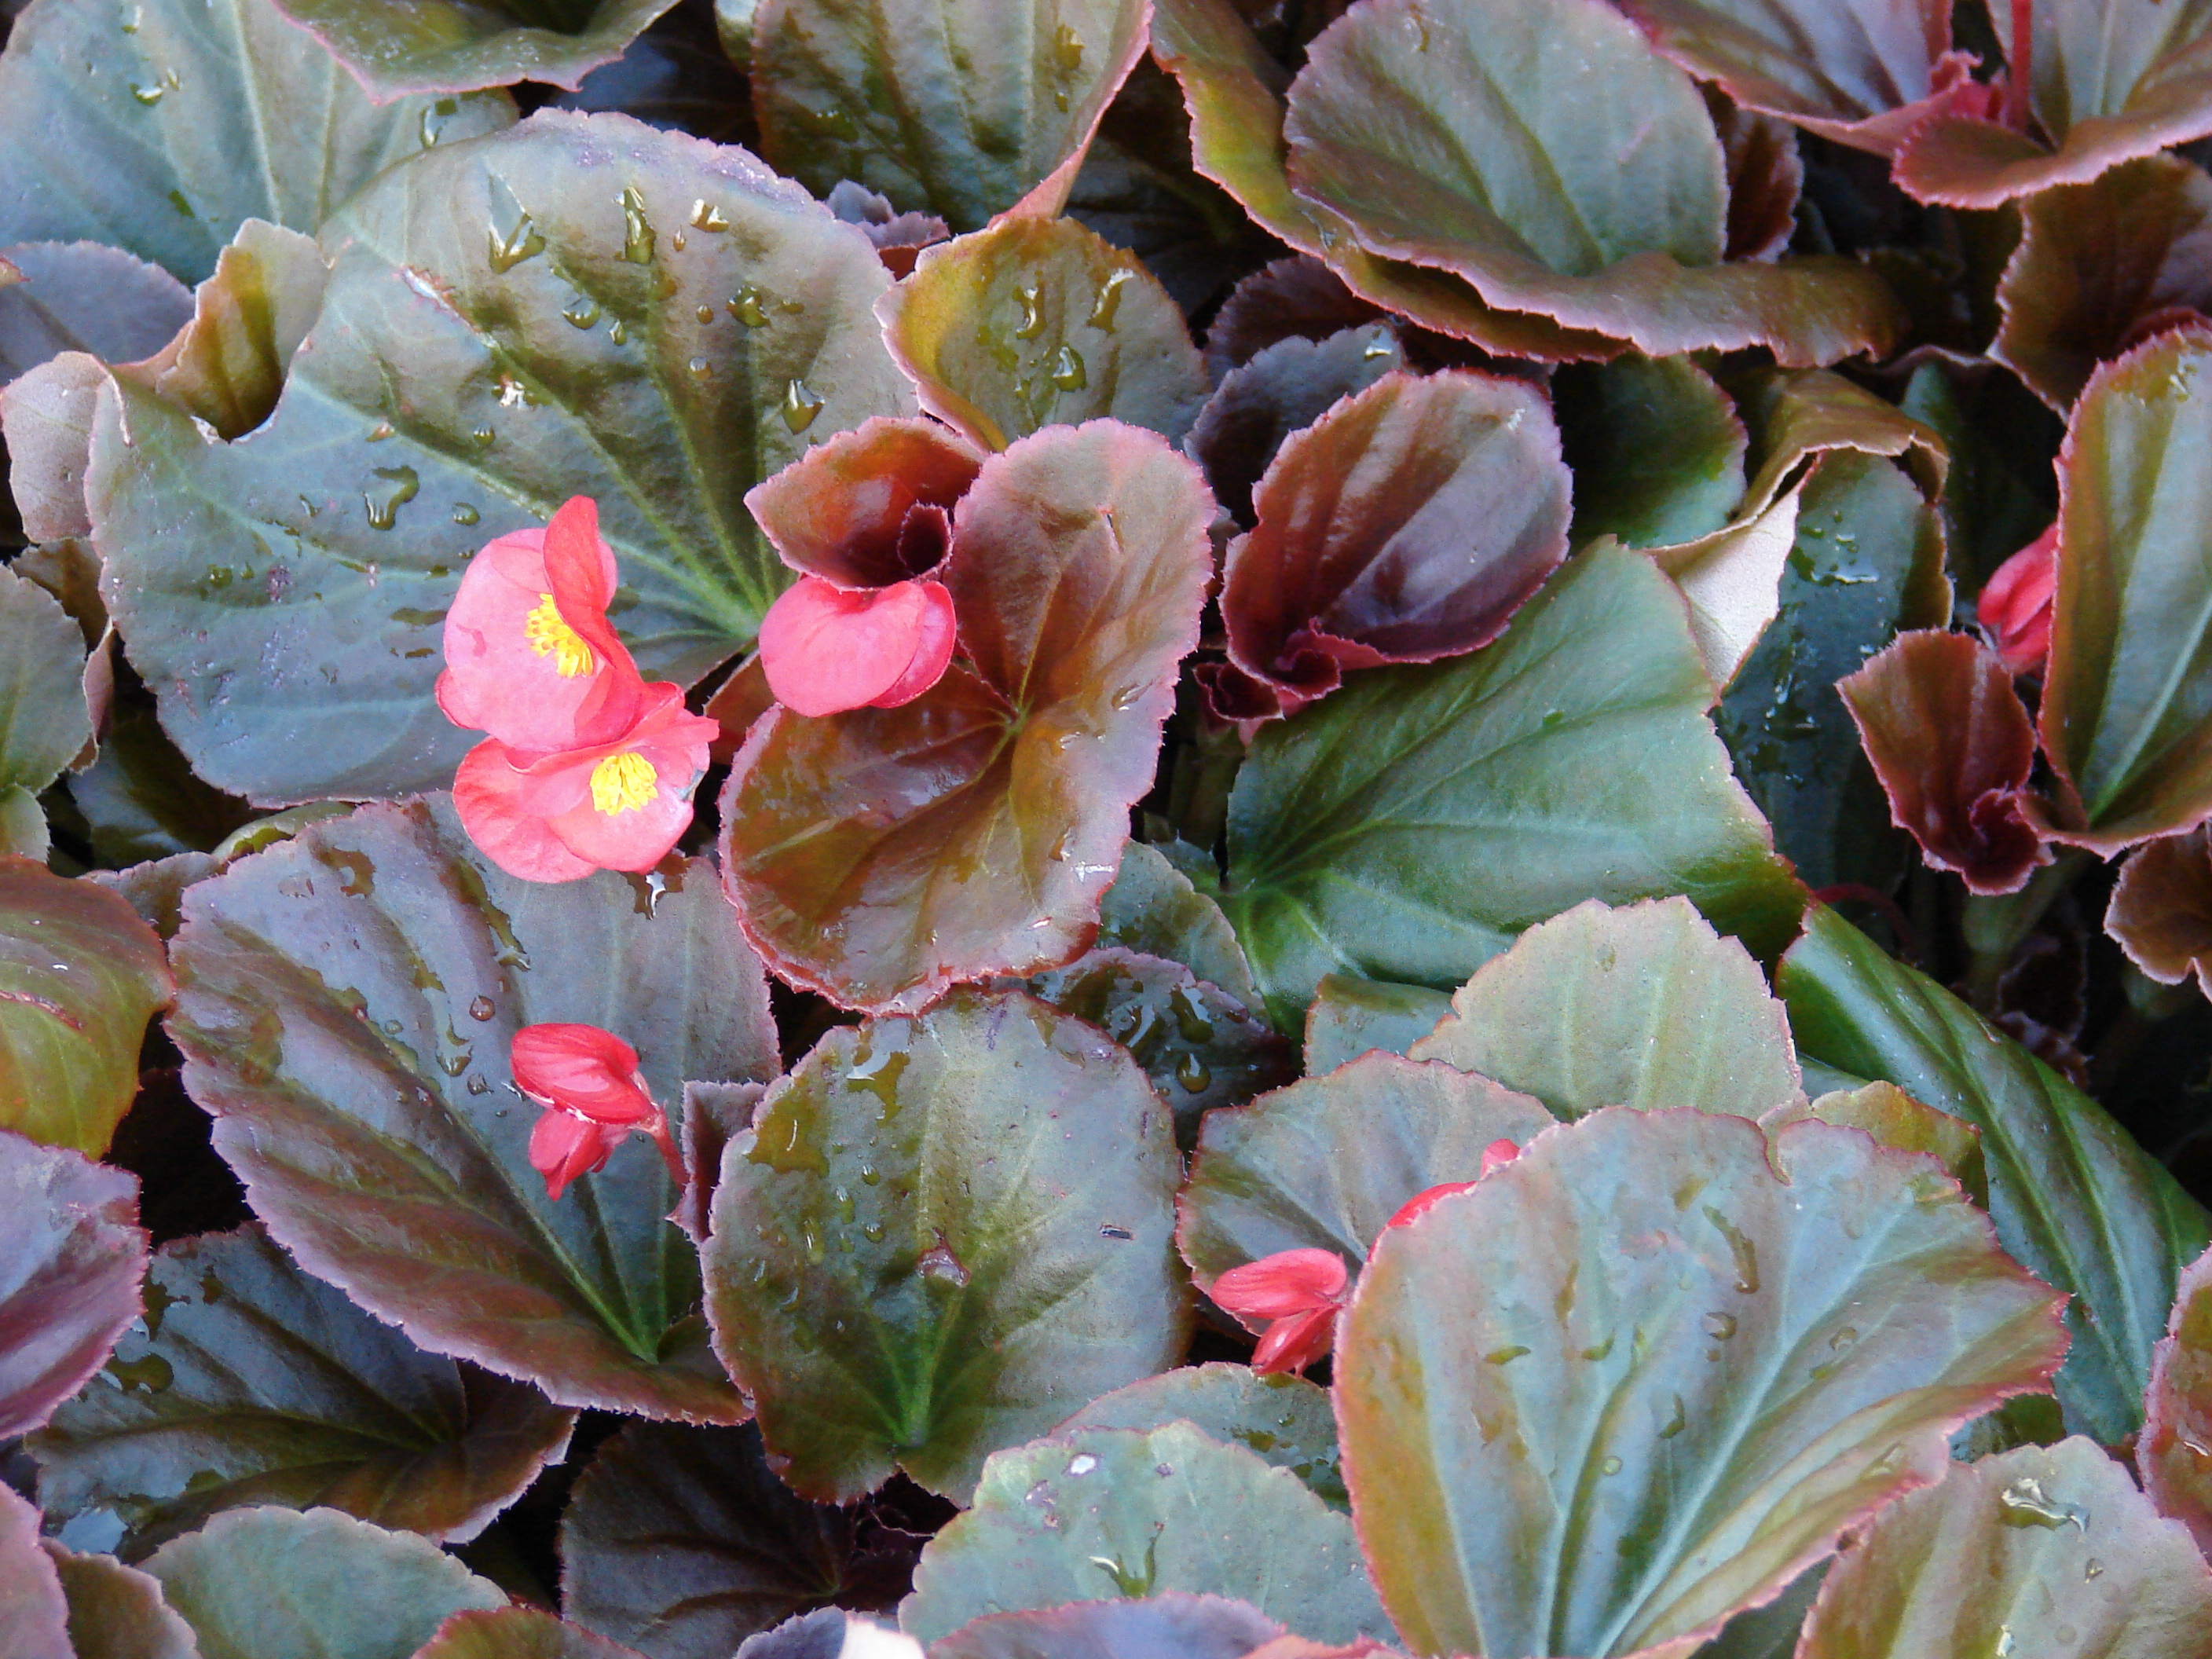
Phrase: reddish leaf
[854,510]
[33,1617]
[69,1275]
[1951,741]
[1174,1625]
[2173,1453]
[1765,177]
[2161,909]
[117,1611]
[1297,298]
[518,1634]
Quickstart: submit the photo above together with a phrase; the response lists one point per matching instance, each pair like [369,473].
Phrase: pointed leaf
[518,1634]
[283,597]
[350,998]
[192,117]
[2172,1454]
[2160,911]
[117,1611]
[1656,447]
[1169,1626]
[1679,1371]
[1153,908]
[33,1615]
[80,296]
[395,47]
[2041,1554]
[68,1280]
[2073,1197]
[1569,759]
[43,722]
[1354,1017]
[252,1384]
[944,1233]
[1101,1514]
[1285,1419]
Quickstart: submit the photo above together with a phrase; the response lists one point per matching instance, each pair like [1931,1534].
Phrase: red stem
[2020,66]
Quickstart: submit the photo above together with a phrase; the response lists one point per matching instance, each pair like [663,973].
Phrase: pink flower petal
[1287,1282]
[581,1069]
[562,1147]
[2016,604]
[1293,1344]
[826,649]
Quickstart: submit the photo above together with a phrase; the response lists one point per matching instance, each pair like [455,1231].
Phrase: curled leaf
[2175,1451]
[2160,910]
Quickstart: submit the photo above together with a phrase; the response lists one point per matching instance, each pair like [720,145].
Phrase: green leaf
[1353,1017]
[1172,1624]
[1153,908]
[117,1611]
[43,722]
[881,855]
[2178,1409]
[942,1233]
[1410,825]
[1325,1164]
[1595,195]
[1642,1377]
[80,975]
[2073,1197]
[1641,1006]
[1656,447]
[275,1584]
[160,125]
[395,47]
[1100,1514]
[2045,1553]
[963,108]
[1894,1118]
[33,1615]
[2126,719]
[1285,1420]
[284,598]
[74,1255]
[1035,323]
[348,1000]
[518,1634]
[252,1384]
[682,1542]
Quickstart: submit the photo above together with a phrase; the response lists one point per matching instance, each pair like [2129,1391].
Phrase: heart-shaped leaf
[1035,323]
[1325,1164]
[68,1280]
[683,1543]
[962,108]
[43,722]
[1656,447]
[2039,1552]
[1354,1017]
[944,1233]
[160,126]
[252,1384]
[395,47]
[80,975]
[510,324]
[117,1611]
[879,855]
[1567,760]
[273,1583]
[2160,911]
[1186,1626]
[2177,1471]
[1101,1514]
[80,296]
[1285,1419]
[2073,1197]
[1642,1377]
[518,1634]
[34,1614]
[349,1000]
[1152,907]
[1642,1007]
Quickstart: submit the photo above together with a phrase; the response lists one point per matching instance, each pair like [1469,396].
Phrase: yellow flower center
[549,636]
[623,783]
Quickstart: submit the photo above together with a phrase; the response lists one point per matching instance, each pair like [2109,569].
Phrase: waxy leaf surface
[1152,906]
[510,324]
[1155,1627]
[1678,1372]
[1895,1119]
[2073,1196]
[1641,1006]
[117,1611]
[1285,1419]
[159,125]
[33,1615]
[69,1279]
[1284,387]
[2160,911]
[518,1634]
[82,296]
[1350,1016]
[2177,1470]
[2044,1552]
[943,1234]
[1568,759]
[395,47]
[350,998]
[252,1384]
[43,721]
[1656,449]
[1097,1514]
[879,855]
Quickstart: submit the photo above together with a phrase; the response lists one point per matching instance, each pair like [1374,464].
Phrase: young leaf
[1036,323]
[252,1384]
[963,108]
[1656,447]
[274,1584]
[518,1634]
[34,1614]
[2177,1409]
[1153,908]
[880,855]
[1641,1376]
[1354,1017]
[80,296]
[2160,911]
[2074,1197]
[117,1611]
[80,975]
[1186,1626]
[74,1255]
[349,997]
[943,1232]
[159,126]
[395,47]
[1284,388]
[682,1542]
[1101,1514]
[2042,1551]
[1285,1420]
[1568,759]
[528,295]
[1641,1006]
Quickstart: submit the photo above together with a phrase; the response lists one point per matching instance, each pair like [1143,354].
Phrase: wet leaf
[80,296]
[1098,1514]
[43,722]
[945,1233]
[1656,447]
[1185,1627]
[349,1000]
[1285,1420]
[1678,1372]
[68,1280]
[34,1616]
[1895,1119]
[517,1634]
[117,1611]
[252,1384]
[2172,1454]
[395,47]
[2073,1197]
[2160,911]
[1153,908]
[284,598]
[1284,387]
[1353,1017]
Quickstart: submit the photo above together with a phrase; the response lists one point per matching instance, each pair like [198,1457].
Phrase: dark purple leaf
[69,1276]
[80,296]
[1284,387]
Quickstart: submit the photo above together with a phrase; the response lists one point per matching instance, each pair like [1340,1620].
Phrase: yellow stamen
[623,783]
[551,636]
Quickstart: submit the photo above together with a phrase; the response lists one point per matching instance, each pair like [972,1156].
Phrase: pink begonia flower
[2014,608]
[619,805]
[1499,1152]
[826,648]
[530,656]
[587,1080]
